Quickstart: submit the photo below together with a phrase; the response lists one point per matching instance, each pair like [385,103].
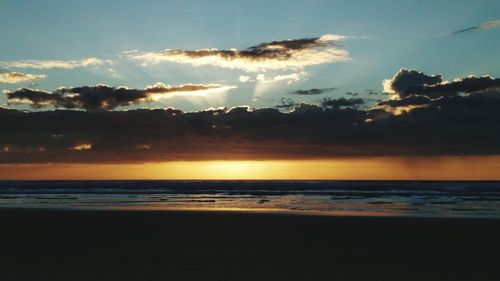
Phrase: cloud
[103,97]
[490,24]
[475,104]
[406,78]
[409,82]
[407,101]
[468,84]
[262,79]
[312,92]
[411,89]
[371,92]
[342,103]
[244,79]
[160,90]
[412,124]
[276,55]
[485,25]
[289,78]
[404,105]
[326,103]
[48,64]
[457,125]
[8,77]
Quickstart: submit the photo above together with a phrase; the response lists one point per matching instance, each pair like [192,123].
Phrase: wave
[433,198]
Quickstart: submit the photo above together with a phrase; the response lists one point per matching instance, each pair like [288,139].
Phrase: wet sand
[169,245]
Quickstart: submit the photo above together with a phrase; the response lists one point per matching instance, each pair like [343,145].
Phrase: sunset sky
[228,89]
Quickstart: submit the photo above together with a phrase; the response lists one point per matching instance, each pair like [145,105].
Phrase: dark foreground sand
[123,245]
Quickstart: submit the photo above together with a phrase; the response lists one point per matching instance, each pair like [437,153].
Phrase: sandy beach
[174,245]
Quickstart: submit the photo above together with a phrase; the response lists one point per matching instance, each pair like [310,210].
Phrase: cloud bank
[8,77]
[276,55]
[461,120]
[103,97]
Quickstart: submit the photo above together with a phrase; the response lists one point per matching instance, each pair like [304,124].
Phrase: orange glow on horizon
[368,168]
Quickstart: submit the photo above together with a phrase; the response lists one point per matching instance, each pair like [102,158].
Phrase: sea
[336,198]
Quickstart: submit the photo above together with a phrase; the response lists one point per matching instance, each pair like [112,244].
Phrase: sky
[132,82]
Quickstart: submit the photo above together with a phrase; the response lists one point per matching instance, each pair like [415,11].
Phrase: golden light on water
[371,168]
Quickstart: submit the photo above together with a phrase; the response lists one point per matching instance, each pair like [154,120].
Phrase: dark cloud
[342,103]
[408,78]
[312,92]
[326,104]
[273,50]
[485,25]
[484,100]
[466,30]
[453,125]
[100,97]
[409,82]
[465,94]
[284,54]
[465,85]
[159,135]
[464,124]
[407,101]
[371,92]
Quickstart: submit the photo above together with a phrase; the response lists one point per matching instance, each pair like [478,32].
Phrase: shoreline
[242,212]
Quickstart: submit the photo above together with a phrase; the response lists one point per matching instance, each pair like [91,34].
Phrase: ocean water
[364,198]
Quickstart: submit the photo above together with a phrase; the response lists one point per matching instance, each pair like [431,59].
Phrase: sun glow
[369,168]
